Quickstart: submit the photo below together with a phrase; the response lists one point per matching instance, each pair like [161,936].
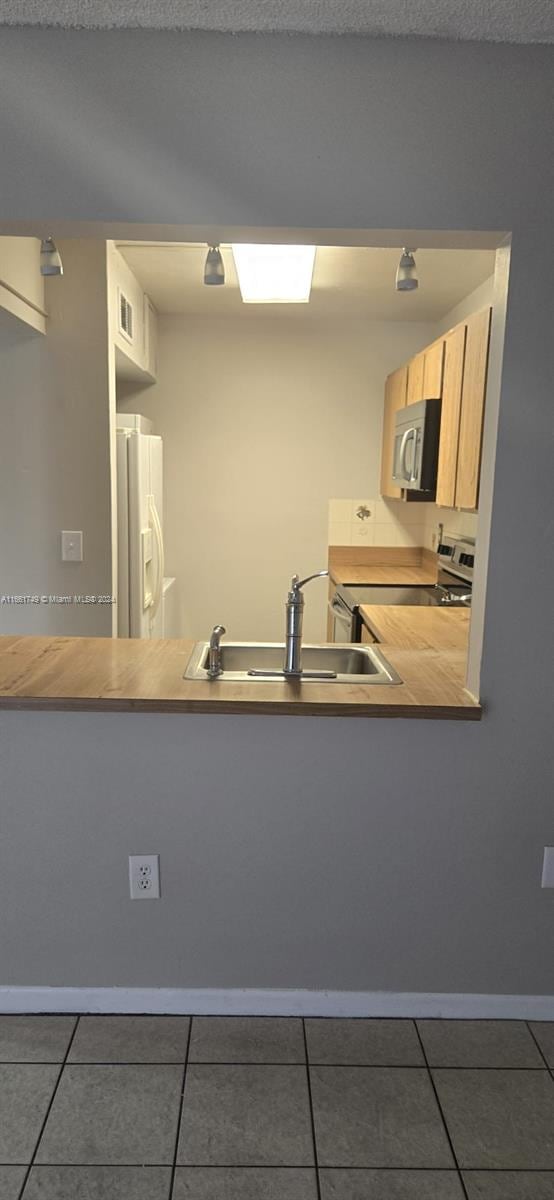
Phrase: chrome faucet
[292,668]
[214,652]
[295,613]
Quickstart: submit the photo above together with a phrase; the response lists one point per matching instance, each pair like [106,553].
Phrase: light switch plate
[72,545]
[548,867]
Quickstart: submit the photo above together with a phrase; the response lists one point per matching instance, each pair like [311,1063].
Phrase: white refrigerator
[146,598]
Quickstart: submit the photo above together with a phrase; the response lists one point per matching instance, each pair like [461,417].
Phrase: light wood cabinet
[367,636]
[472,409]
[454,351]
[395,398]
[432,370]
[416,370]
[453,369]
[425,374]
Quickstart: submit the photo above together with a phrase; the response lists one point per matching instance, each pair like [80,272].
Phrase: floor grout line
[312,1119]
[155,1166]
[133,1062]
[180,1114]
[443,1118]
[48,1110]
[538,1045]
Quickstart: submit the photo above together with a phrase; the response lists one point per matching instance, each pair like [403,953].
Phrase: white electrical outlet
[144,876]
[548,867]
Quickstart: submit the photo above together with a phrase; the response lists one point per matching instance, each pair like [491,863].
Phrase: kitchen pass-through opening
[186,428]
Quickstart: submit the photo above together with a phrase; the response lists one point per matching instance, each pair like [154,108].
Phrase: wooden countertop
[392,575]
[134,675]
[417,628]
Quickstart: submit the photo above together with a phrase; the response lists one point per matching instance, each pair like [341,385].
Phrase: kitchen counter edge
[131,675]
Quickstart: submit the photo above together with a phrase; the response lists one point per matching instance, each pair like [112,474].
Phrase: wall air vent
[125,316]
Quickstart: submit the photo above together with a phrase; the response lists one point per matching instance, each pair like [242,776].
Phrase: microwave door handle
[413,476]
[402,453]
[402,456]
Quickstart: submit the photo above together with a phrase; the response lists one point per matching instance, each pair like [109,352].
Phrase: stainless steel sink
[250,661]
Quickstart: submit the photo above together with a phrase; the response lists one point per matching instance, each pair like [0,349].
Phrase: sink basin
[348,663]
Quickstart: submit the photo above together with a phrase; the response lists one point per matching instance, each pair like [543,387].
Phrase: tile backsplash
[453,520]
[378,522]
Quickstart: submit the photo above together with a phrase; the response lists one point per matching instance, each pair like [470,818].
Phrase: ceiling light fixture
[214,270]
[50,258]
[406,277]
[274,274]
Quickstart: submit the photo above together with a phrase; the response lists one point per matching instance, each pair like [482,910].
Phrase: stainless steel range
[456,557]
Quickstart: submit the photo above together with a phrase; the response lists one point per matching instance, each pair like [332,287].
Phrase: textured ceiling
[470,20]
[347,282]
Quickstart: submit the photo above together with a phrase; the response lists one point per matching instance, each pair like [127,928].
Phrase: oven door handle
[338,610]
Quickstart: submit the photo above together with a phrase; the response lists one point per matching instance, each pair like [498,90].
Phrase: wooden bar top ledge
[140,675]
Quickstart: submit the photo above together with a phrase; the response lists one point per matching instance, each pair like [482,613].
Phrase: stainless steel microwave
[416,446]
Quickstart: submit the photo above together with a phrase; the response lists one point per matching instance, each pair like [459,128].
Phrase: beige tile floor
[242,1108]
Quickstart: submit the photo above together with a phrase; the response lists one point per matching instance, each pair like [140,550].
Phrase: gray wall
[54,454]
[332,853]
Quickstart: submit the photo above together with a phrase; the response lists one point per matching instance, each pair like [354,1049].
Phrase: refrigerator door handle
[160,565]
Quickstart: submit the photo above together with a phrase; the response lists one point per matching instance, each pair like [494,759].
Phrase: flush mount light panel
[274,274]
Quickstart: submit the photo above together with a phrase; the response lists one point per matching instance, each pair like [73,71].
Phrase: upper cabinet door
[416,369]
[22,295]
[454,348]
[433,370]
[472,409]
[395,398]
[126,311]
[150,333]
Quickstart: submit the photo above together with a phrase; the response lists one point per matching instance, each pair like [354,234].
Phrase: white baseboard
[274,1002]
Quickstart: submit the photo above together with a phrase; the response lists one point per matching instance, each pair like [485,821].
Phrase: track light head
[50,258]
[214,270]
[406,277]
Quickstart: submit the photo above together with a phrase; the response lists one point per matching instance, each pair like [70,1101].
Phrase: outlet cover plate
[144,876]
